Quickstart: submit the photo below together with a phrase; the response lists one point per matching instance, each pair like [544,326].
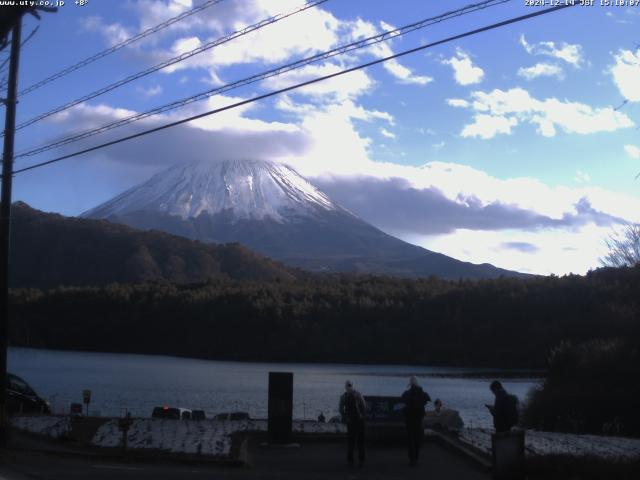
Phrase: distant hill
[48,250]
[271,209]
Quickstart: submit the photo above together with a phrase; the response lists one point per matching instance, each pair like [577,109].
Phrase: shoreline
[481,372]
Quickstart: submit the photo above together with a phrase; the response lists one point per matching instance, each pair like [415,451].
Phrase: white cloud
[541,70]
[386,133]
[570,53]
[185,44]
[301,35]
[312,31]
[497,111]
[622,21]
[113,33]
[404,74]
[151,91]
[332,136]
[582,177]
[347,108]
[464,71]
[633,151]
[559,251]
[153,12]
[626,74]
[345,86]
[458,102]
[305,33]
[394,67]
[488,126]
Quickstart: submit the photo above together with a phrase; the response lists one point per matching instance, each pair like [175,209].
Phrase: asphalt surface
[312,460]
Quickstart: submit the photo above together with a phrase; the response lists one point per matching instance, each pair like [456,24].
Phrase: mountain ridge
[49,250]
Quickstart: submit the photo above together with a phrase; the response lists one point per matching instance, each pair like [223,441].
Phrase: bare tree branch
[624,247]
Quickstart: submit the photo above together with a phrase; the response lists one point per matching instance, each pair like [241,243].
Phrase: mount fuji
[270,208]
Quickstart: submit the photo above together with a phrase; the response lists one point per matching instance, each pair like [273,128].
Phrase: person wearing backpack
[504,409]
[414,399]
[352,410]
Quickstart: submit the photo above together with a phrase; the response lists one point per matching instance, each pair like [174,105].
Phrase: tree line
[504,323]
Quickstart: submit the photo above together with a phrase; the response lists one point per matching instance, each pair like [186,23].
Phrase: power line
[22,44]
[118,46]
[300,85]
[171,61]
[366,42]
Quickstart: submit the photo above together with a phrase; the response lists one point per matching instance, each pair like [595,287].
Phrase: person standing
[504,409]
[415,400]
[352,410]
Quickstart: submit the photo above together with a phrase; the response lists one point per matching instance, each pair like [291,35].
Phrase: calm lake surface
[137,383]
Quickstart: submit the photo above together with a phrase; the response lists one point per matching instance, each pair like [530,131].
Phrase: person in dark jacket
[414,399]
[504,408]
[352,410]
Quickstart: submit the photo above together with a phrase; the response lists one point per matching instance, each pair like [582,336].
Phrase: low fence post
[123,425]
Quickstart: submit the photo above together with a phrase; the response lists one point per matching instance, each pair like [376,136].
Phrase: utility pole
[5,218]
[11,19]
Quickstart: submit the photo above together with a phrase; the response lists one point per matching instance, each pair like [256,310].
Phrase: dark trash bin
[508,455]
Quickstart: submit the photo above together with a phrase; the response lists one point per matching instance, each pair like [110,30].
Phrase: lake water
[137,383]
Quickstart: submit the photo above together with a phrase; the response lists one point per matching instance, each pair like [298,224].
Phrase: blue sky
[506,147]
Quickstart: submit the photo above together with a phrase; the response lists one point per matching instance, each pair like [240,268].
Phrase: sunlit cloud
[626,74]
[570,53]
[541,70]
[633,151]
[386,133]
[464,71]
[498,111]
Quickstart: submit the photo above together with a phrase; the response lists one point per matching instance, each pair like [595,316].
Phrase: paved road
[310,461]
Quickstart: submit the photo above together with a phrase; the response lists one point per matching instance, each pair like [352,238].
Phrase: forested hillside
[499,323]
[49,250]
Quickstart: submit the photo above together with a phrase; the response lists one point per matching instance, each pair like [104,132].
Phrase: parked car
[174,413]
[198,415]
[21,398]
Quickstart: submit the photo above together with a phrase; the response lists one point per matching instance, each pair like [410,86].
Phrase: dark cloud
[183,142]
[523,247]
[393,205]
[97,176]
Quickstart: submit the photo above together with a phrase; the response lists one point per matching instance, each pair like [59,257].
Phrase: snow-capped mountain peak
[248,189]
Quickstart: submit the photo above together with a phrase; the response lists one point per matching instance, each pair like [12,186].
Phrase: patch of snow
[554,443]
[317,427]
[248,189]
[201,437]
[49,425]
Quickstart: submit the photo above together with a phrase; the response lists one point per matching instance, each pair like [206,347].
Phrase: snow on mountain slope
[250,189]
